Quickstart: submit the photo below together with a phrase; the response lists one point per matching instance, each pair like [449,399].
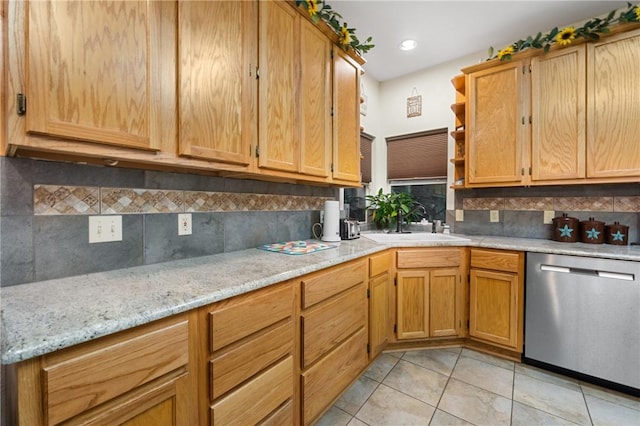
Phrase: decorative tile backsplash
[560,204]
[54,200]
[74,200]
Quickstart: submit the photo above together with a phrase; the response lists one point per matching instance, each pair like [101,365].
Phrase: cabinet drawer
[91,378]
[282,416]
[379,263]
[325,380]
[321,286]
[428,258]
[239,364]
[497,260]
[332,322]
[236,318]
[256,399]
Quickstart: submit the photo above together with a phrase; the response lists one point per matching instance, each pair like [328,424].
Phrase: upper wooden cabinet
[558,115]
[92,71]
[568,116]
[279,140]
[346,117]
[234,87]
[495,108]
[217,60]
[613,105]
[315,101]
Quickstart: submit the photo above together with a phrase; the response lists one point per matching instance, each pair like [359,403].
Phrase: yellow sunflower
[638,13]
[312,7]
[345,36]
[566,36]
[507,51]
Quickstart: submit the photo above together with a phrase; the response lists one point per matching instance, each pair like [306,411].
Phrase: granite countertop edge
[42,317]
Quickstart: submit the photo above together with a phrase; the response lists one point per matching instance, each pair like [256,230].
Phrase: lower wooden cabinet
[140,376]
[333,335]
[250,356]
[496,311]
[430,293]
[379,302]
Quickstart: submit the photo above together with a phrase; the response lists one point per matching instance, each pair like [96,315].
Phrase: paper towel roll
[331,227]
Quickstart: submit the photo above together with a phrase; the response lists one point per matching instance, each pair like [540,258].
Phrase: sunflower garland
[319,9]
[591,30]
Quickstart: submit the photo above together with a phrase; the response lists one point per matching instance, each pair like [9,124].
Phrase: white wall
[387,111]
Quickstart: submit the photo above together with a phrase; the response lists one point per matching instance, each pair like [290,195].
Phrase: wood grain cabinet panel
[76,385]
[217,54]
[332,322]
[255,400]
[613,96]
[229,319]
[429,294]
[323,382]
[142,376]
[558,115]
[315,101]
[496,311]
[91,72]
[346,117]
[325,284]
[495,133]
[278,87]
[379,318]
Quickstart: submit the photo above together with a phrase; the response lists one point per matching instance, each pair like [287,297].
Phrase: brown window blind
[417,155]
[366,141]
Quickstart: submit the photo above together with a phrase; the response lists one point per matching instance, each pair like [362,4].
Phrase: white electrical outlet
[184,224]
[494,216]
[103,229]
[548,216]
[459,215]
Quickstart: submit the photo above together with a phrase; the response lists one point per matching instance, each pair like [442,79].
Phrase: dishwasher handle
[591,272]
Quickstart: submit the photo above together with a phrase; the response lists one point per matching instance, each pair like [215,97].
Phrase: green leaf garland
[591,30]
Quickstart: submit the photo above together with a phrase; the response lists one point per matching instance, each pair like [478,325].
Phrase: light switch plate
[494,215]
[104,229]
[459,215]
[548,216]
[184,224]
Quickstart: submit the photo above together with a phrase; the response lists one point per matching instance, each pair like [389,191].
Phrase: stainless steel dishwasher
[583,315]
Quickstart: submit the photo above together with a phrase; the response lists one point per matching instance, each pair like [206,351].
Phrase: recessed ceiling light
[408,44]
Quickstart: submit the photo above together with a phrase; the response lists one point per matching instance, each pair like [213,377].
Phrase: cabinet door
[92,71]
[558,82]
[378,314]
[442,302]
[315,105]
[278,87]
[217,82]
[413,304]
[495,124]
[493,311]
[346,117]
[613,99]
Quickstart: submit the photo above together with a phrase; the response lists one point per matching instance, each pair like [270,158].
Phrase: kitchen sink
[416,237]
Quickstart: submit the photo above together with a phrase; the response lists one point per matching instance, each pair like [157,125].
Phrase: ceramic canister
[565,229]
[617,234]
[592,231]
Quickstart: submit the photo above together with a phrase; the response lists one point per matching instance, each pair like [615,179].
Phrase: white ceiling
[447,30]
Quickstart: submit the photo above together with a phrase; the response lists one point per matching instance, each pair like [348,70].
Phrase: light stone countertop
[42,317]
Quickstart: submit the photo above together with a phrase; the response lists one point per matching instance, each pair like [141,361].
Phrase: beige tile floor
[462,387]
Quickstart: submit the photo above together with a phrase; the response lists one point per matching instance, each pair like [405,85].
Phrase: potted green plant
[385,207]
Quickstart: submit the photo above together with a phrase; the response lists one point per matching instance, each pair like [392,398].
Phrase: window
[417,164]
[431,194]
